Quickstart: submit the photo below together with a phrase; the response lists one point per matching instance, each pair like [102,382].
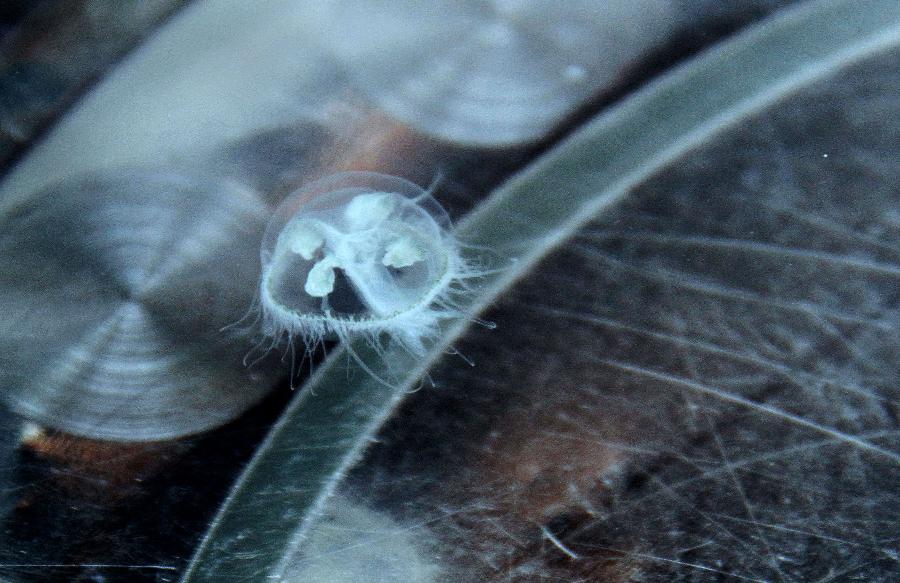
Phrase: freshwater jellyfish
[360,254]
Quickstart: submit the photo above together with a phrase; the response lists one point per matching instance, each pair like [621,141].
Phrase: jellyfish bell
[360,254]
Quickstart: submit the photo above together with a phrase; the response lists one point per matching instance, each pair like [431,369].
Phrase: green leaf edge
[326,429]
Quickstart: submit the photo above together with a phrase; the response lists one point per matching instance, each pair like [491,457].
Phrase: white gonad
[360,254]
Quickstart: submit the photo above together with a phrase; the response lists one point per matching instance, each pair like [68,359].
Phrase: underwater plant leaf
[274,507]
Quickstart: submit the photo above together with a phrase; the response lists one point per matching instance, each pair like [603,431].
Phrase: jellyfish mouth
[343,301]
